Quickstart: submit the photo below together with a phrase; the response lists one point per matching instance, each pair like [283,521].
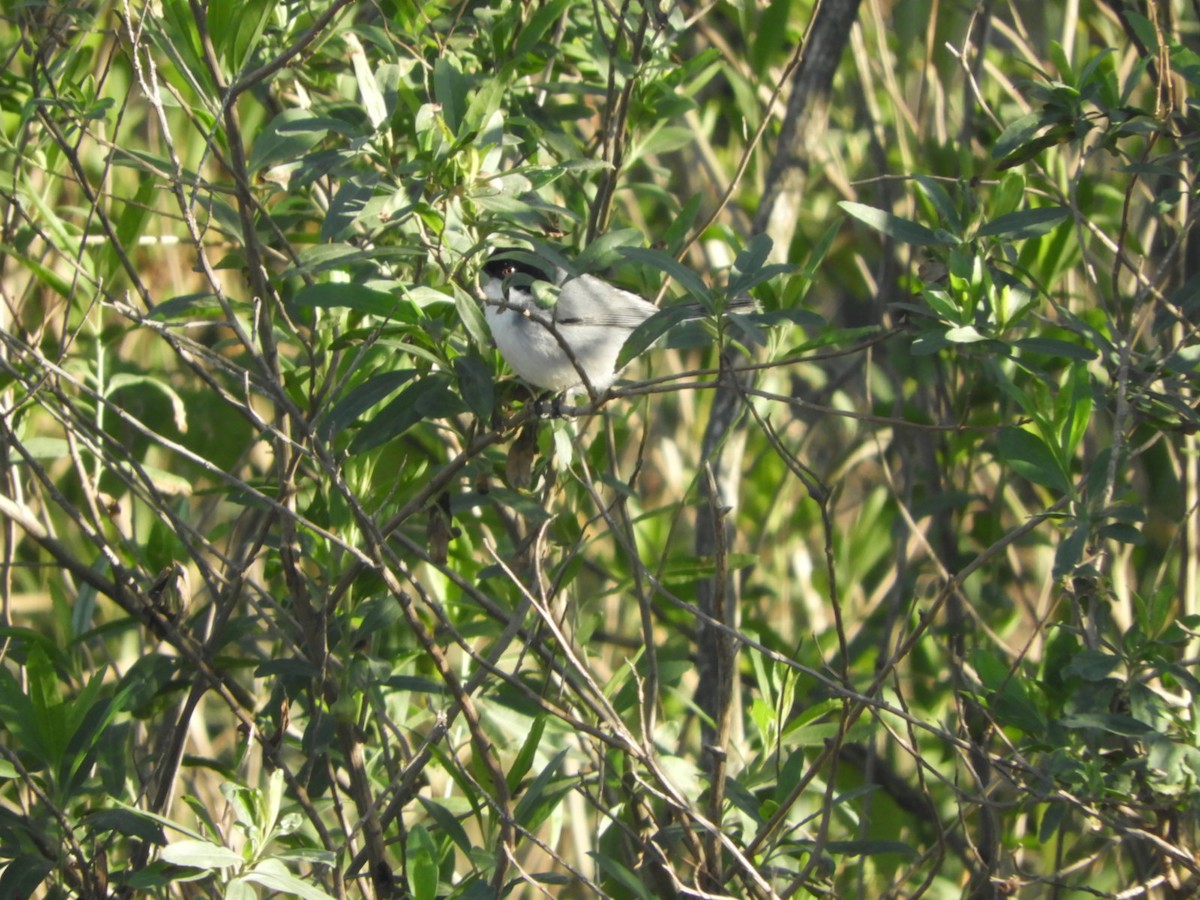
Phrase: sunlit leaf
[898,228]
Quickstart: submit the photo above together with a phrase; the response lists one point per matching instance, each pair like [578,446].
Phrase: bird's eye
[507,268]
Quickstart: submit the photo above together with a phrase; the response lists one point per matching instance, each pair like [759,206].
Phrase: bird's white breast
[592,318]
[527,340]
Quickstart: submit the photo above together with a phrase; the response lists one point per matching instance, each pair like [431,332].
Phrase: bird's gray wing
[587,300]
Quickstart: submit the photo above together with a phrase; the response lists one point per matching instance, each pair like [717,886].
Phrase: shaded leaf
[450,89]
[651,330]
[476,385]
[361,398]
[543,795]
[1113,723]
[289,136]
[429,398]
[1092,665]
[348,296]
[1032,458]
[23,875]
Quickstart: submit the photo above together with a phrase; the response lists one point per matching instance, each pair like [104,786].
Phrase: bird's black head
[509,261]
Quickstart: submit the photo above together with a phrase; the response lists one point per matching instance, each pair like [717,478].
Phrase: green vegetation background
[889,589]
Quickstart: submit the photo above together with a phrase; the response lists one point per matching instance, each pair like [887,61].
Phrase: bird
[570,343]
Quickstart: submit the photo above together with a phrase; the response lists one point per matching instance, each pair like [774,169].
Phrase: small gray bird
[555,343]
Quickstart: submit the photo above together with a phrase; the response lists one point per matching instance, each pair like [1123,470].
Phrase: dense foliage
[888,589]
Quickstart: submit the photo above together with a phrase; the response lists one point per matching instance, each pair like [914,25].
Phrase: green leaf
[274,877]
[693,569]
[749,271]
[1026,223]
[1122,532]
[752,257]
[1052,820]
[245,802]
[1031,458]
[964,334]
[1013,706]
[23,723]
[237,27]
[1053,347]
[23,875]
[1092,665]
[770,34]
[370,92]
[479,113]
[745,801]
[329,295]
[871,848]
[85,724]
[937,194]
[1018,132]
[128,379]
[134,212]
[656,259]
[45,703]
[1056,134]
[447,822]
[84,610]
[289,136]
[1145,29]
[450,89]
[1059,57]
[422,860]
[607,249]
[126,823]
[1175,766]
[190,306]
[357,401]
[471,314]
[40,448]
[683,222]
[1113,723]
[1073,407]
[415,683]
[942,304]
[1008,194]
[476,385]
[524,760]
[200,855]
[616,871]
[645,335]
[522,503]
[543,795]
[272,801]
[1069,552]
[347,206]
[44,274]
[897,228]
[537,26]
[429,398]
[661,139]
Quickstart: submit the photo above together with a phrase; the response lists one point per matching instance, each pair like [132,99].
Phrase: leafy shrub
[887,589]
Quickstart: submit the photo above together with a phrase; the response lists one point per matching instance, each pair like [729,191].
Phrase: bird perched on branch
[565,333]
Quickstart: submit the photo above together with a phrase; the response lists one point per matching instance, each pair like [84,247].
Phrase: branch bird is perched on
[570,343]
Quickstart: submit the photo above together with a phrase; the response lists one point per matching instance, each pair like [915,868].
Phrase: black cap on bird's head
[506,262]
